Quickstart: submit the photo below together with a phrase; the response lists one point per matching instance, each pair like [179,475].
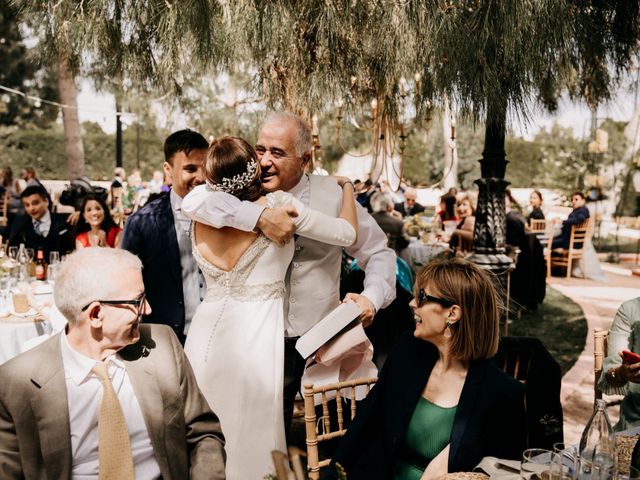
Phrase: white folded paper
[340,318]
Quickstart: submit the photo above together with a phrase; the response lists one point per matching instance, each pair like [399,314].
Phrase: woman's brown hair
[228,157]
[476,333]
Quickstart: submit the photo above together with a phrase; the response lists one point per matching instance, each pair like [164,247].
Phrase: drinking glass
[51,273]
[13,252]
[567,460]
[54,257]
[30,253]
[536,463]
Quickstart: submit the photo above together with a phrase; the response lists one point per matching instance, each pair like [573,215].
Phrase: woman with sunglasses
[440,405]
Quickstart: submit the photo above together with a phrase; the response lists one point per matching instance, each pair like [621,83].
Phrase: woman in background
[96,227]
[440,405]
[535,200]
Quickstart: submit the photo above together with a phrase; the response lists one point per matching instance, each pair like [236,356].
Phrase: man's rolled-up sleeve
[376,259]
[219,209]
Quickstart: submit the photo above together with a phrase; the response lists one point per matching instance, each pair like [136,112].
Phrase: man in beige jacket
[59,402]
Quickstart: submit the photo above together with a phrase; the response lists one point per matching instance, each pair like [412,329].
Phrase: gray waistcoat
[192,280]
[313,278]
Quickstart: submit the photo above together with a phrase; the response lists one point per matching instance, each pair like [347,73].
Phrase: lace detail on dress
[233,284]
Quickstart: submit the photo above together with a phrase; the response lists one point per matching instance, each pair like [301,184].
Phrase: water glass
[54,257]
[536,464]
[567,460]
[51,273]
[13,252]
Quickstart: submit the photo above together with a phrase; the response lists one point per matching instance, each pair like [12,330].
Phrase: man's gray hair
[90,274]
[381,202]
[303,130]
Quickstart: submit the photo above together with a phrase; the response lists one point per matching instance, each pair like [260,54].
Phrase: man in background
[38,228]
[410,206]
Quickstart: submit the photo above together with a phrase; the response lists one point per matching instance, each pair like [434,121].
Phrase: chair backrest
[345,394]
[580,233]
[527,360]
[600,338]
[538,225]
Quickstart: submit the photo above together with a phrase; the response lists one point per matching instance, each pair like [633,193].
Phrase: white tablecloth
[417,254]
[15,331]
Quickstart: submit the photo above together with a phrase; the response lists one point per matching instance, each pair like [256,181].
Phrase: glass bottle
[597,446]
[23,261]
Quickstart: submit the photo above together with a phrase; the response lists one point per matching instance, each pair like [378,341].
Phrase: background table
[15,331]
[417,254]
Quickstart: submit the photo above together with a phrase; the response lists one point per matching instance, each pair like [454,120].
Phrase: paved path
[599,300]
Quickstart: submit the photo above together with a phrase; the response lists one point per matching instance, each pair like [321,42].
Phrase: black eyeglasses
[423,297]
[138,303]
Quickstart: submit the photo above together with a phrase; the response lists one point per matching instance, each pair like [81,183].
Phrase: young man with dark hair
[38,228]
[159,234]
[578,215]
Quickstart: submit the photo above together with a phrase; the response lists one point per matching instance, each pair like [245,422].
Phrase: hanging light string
[62,105]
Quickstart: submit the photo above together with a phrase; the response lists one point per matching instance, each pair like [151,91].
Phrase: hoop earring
[447,331]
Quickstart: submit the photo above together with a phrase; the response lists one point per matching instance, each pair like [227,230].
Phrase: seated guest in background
[579,214]
[96,227]
[108,397]
[364,195]
[39,228]
[466,213]
[409,206]
[535,201]
[440,405]
[448,208]
[13,187]
[392,225]
[618,378]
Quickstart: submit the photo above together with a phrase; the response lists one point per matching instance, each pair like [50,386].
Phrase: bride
[236,339]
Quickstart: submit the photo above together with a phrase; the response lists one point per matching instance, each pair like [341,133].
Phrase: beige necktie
[114,446]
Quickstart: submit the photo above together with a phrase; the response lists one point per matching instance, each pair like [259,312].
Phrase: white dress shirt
[84,394]
[43,225]
[220,209]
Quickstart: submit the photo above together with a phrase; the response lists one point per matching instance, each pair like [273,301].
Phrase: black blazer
[490,419]
[417,208]
[59,238]
[150,234]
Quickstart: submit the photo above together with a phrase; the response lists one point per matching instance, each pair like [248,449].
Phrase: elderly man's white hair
[381,202]
[90,274]
[303,137]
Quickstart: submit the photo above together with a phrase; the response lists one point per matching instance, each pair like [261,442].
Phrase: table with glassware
[27,311]
[418,254]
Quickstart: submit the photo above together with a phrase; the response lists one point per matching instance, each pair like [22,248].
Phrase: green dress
[428,433]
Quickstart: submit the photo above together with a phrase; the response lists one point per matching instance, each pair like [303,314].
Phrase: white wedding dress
[236,341]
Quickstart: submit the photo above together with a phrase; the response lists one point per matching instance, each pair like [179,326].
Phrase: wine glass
[13,252]
[30,254]
[51,273]
[54,258]
[536,463]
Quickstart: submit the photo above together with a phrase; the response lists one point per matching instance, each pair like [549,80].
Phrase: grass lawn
[559,323]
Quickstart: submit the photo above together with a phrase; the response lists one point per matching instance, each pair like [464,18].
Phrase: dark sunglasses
[138,303]
[423,298]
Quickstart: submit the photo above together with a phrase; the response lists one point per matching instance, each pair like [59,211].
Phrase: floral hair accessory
[237,182]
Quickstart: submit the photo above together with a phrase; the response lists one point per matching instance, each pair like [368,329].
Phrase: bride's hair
[232,166]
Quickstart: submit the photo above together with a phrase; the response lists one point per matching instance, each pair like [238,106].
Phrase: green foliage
[21,73]
[44,149]
[481,54]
